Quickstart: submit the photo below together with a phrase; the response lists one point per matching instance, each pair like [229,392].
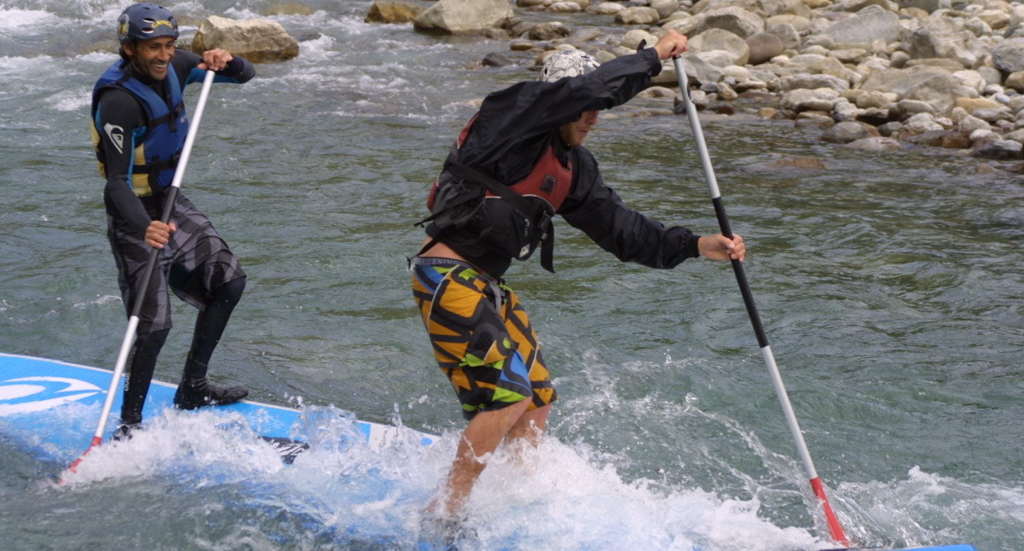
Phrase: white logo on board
[32,394]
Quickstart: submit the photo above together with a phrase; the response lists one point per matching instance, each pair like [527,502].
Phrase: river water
[890,286]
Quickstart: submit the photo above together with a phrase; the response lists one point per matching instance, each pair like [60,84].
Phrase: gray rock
[763,47]
[899,60]
[736,20]
[258,40]
[875,143]
[929,84]
[638,15]
[718,39]
[605,8]
[992,115]
[1008,56]
[787,33]
[565,7]
[889,128]
[909,108]
[846,132]
[812,82]
[584,35]
[665,7]
[393,12]
[549,31]
[1015,81]
[938,39]
[1002,150]
[970,124]
[463,16]
[870,24]
[926,5]
[797,101]
[854,6]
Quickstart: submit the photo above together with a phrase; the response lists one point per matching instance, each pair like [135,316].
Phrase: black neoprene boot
[125,432]
[197,393]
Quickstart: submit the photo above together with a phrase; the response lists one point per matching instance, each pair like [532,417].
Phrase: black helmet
[144,21]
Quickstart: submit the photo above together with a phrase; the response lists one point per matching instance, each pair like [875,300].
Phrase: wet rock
[801,163]
[584,35]
[548,31]
[814,119]
[257,40]
[698,97]
[800,100]
[723,108]
[393,12]
[289,8]
[812,82]
[637,15]
[656,92]
[606,8]
[932,85]
[463,16]
[1002,150]
[889,128]
[846,132]
[565,7]
[496,60]
[875,143]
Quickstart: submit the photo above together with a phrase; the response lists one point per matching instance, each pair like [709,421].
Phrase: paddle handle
[755,319]
[133,321]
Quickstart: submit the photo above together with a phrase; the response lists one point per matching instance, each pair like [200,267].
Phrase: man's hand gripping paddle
[133,321]
[748,299]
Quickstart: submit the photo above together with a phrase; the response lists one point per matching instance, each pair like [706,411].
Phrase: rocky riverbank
[874,74]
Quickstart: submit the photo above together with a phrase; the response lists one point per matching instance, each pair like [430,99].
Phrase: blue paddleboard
[34,391]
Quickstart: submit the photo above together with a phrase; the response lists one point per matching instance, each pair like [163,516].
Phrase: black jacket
[514,128]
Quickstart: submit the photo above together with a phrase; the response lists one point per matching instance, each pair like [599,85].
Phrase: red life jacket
[534,199]
[549,180]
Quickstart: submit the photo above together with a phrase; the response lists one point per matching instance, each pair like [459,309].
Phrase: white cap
[567,63]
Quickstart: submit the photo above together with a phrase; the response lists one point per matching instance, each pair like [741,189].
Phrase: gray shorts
[193,263]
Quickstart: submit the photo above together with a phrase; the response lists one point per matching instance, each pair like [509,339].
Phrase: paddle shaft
[755,319]
[133,321]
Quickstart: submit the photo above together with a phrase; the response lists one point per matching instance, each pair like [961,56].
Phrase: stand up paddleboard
[32,391]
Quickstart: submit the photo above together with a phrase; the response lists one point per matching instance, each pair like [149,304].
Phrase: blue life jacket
[157,145]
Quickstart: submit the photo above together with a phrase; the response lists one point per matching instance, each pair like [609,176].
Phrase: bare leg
[481,437]
[531,426]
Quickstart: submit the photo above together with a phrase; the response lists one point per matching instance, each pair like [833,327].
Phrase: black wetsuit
[120,108]
[196,263]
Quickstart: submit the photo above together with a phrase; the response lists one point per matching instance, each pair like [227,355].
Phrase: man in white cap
[516,164]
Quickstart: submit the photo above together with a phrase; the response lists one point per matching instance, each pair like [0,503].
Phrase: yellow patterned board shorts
[481,335]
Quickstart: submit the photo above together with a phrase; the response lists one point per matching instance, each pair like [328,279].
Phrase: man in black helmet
[139,129]
[516,164]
